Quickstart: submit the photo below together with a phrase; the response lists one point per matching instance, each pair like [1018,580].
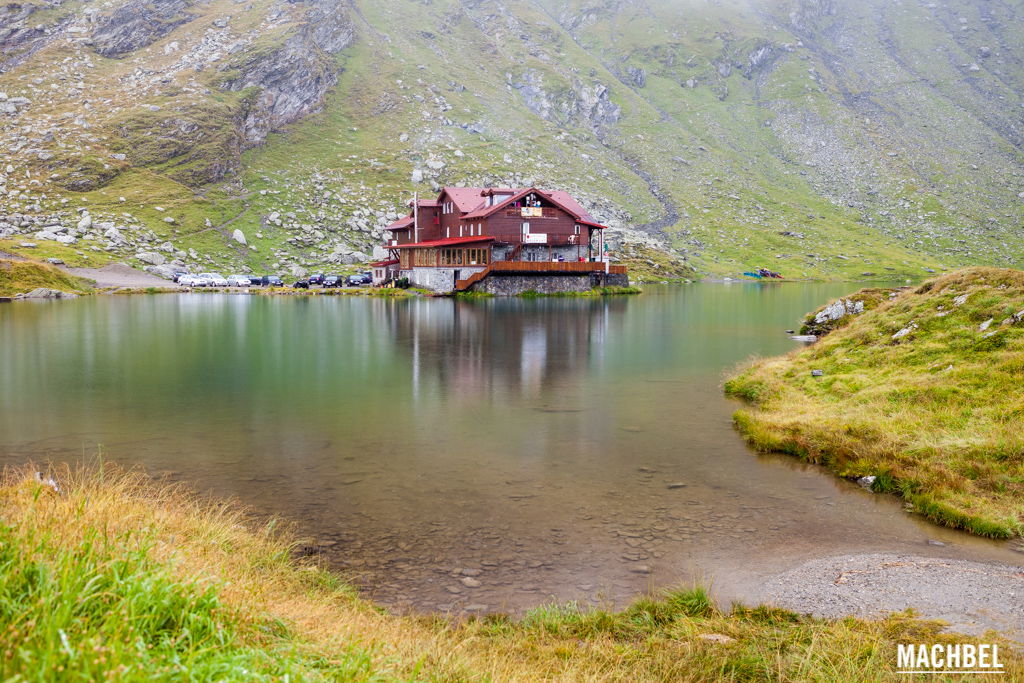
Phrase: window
[424,257]
[464,257]
[447,232]
[577,228]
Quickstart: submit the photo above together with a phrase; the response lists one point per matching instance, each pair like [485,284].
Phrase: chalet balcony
[531,212]
[552,240]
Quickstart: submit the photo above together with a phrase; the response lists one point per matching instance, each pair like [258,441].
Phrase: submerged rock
[46,293]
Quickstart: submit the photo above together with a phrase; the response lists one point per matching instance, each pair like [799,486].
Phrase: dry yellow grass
[283,616]
[18,277]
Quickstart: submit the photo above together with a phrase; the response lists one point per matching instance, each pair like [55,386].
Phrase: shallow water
[554,448]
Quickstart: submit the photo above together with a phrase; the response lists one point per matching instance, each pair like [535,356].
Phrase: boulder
[114,235]
[238,236]
[905,331]
[165,271]
[151,257]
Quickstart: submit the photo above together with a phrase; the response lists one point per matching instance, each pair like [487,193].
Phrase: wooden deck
[551,267]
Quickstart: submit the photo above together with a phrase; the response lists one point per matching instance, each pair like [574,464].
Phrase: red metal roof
[442,243]
[591,224]
[381,264]
[471,198]
[560,199]
[567,200]
[400,224]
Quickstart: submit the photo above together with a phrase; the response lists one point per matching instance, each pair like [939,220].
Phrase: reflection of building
[499,240]
[481,348]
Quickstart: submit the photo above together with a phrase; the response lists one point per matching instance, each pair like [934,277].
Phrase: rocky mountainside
[816,137]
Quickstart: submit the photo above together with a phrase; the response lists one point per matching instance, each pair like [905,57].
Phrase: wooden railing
[537,267]
[517,212]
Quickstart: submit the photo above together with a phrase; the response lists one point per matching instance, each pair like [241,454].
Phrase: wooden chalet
[498,240]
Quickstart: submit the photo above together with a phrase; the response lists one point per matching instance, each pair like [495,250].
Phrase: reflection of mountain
[485,348]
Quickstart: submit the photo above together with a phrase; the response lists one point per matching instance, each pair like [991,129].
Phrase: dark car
[255,280]
[333,281]
[272,281]
[301,284]
[359,279]
[316,279]
[178,274]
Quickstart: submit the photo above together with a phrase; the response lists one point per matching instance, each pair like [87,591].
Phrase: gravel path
[971,596]
[118,275]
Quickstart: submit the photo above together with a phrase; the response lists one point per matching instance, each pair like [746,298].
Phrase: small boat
[762,273]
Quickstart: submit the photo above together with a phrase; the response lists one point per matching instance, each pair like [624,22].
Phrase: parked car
[193,281]
[316,279]
[272,281]
[254,280]
[238,281]
[178,275]
[359,280]
[333,281]
[216,279]
[301,284]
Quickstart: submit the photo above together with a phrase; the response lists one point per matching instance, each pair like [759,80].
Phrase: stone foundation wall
[438,279]
[512,284]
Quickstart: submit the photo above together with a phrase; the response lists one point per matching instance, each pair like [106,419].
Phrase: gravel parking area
[118,275]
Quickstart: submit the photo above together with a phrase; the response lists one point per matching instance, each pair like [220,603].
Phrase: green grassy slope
[921,391]
[818,139]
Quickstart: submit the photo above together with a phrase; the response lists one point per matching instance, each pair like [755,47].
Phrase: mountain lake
[460,455]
